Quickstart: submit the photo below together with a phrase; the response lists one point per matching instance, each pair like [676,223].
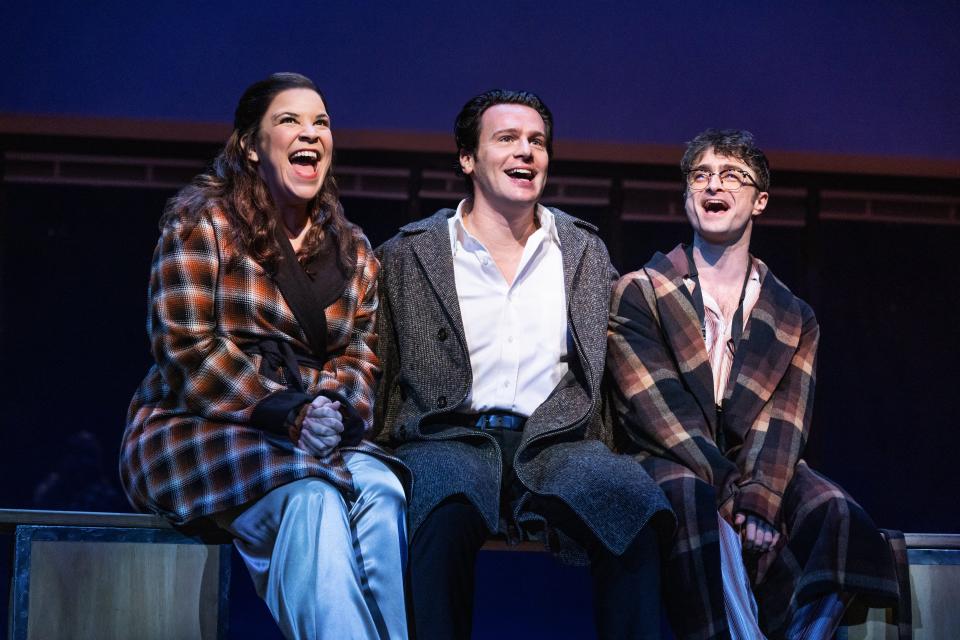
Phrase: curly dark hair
[733,143]
[233,185]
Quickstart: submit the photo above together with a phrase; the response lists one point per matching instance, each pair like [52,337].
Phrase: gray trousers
[329,565]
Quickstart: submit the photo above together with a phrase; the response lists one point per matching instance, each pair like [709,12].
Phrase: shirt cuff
[759,500]
[277,411]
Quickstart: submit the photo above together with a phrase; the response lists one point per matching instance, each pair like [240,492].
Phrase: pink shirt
[719,338]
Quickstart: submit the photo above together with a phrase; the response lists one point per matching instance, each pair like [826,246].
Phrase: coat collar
[770,337]
[681,326]
[430,241]
[770,340]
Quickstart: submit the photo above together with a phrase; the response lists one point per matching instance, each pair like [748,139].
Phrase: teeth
[520,173]
[305,153]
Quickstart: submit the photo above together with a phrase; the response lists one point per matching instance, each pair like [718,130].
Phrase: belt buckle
[488,421]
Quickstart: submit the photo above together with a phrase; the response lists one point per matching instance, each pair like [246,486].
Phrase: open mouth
[715,206]
[520,174]
[305,163]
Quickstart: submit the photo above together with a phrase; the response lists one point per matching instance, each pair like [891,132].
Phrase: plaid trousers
[828,545]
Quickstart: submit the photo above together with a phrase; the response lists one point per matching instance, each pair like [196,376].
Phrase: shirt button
[442,334]
[510,339]
[506,383]
[442,402]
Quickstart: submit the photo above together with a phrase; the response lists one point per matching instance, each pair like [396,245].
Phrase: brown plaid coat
[200,437]
[663,388]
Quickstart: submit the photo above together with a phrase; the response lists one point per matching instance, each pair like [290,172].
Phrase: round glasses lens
[698,180]
[731,180]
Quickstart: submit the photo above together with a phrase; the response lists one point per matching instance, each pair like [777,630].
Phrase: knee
[831,508]
[385,491]
[454,522]
[811,497]
[309,495]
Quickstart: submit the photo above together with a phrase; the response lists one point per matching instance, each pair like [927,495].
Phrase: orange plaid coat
[198,438]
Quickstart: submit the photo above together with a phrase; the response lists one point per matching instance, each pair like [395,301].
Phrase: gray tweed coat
[426,373]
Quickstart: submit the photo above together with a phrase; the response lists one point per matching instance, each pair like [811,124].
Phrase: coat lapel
[770,339]
[587,306]
[572,247]
[431,245]
[681,326]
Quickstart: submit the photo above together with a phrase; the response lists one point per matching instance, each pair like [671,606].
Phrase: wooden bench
[116,576]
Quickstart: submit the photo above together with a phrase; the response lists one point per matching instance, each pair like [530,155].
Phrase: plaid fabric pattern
[663,400]
[189,448]
[664,384]
[903,613]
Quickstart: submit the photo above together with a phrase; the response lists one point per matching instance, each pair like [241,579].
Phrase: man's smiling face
[719,216]
[509,167]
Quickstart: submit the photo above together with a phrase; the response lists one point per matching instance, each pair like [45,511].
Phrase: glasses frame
[748,180]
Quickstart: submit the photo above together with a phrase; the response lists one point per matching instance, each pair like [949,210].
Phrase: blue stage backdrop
[876,78]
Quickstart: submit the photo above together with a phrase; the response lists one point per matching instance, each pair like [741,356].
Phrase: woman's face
[294,147]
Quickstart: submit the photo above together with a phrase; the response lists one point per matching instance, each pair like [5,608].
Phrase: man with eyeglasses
[713,361]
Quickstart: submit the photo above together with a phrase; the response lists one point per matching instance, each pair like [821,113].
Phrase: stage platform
[121,575]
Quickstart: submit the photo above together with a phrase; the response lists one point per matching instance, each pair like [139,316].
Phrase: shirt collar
[458,231]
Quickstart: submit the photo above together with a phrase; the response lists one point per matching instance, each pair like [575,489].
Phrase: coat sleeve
[776,439]
[659,415]
[388,396]
[208,373]
[350,374]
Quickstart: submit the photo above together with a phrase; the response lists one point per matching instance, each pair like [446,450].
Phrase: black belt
[487,420]
[277,354]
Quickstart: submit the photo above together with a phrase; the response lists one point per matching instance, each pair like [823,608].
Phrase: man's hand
[322,426]
[756,534]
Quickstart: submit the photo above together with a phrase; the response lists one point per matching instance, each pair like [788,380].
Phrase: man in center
[492,334]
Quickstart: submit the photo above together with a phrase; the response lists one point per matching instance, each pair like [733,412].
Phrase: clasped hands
[321,427]
[756,534]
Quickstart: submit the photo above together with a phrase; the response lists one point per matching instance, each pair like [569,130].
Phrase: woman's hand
[322,427]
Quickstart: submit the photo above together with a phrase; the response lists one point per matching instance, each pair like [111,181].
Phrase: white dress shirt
[516,334]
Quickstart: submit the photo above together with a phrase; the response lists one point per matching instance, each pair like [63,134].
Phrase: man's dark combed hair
[466,129]
[734,143]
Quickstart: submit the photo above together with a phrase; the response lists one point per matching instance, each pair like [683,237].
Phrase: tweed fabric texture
[664,403]
[427,374]
[190,448]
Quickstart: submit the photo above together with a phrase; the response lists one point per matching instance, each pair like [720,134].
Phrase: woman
[262,306]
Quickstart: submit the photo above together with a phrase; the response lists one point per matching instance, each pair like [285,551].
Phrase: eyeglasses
[730,179]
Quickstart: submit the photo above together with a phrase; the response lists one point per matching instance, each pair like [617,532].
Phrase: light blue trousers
[326,565]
